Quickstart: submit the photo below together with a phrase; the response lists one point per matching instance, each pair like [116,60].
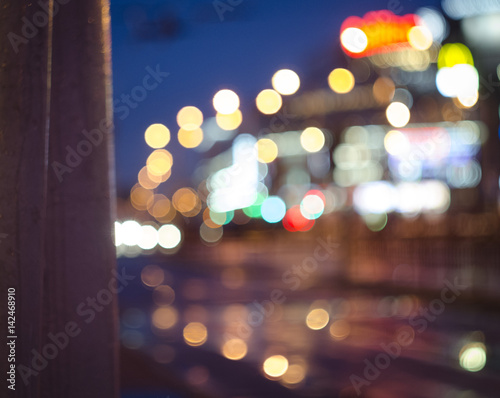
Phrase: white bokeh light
[169,236]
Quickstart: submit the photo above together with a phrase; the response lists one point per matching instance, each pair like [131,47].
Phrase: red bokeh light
[294,220]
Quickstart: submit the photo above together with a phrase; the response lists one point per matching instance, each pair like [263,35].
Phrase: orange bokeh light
[384,30]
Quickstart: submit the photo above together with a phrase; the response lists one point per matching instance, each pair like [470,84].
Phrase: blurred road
[399,315]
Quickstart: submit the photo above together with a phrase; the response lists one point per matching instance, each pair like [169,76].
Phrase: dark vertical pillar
[24,72]
[79,249]
[56,196]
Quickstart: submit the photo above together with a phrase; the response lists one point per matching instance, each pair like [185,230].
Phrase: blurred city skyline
[204,54]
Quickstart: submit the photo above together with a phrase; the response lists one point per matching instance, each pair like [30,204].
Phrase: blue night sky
[203,54]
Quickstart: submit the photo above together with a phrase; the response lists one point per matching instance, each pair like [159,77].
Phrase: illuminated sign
[383,31]
[456,76]
[444,151]
[452,54]
[236,186]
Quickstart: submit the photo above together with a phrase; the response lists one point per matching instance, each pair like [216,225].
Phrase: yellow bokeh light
[341,80]
[195,334]
[165,317]
[267,150]
[312,139]
[286,82]
[420,38]
[159,162]
[159,206]
[145,181]
[295,374]
[340,329]
[467,101]
[317,319]
[165,219]
[187,202]
[160,178]
[208,221]
[275,366]
[139,197]
[396,143]
[189,118]
[190,139]
[229,122]
[473,357]
[157,136]
[398,114]
[452,54]
[268,102]
[234,349]
[226,101]
[354,40]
